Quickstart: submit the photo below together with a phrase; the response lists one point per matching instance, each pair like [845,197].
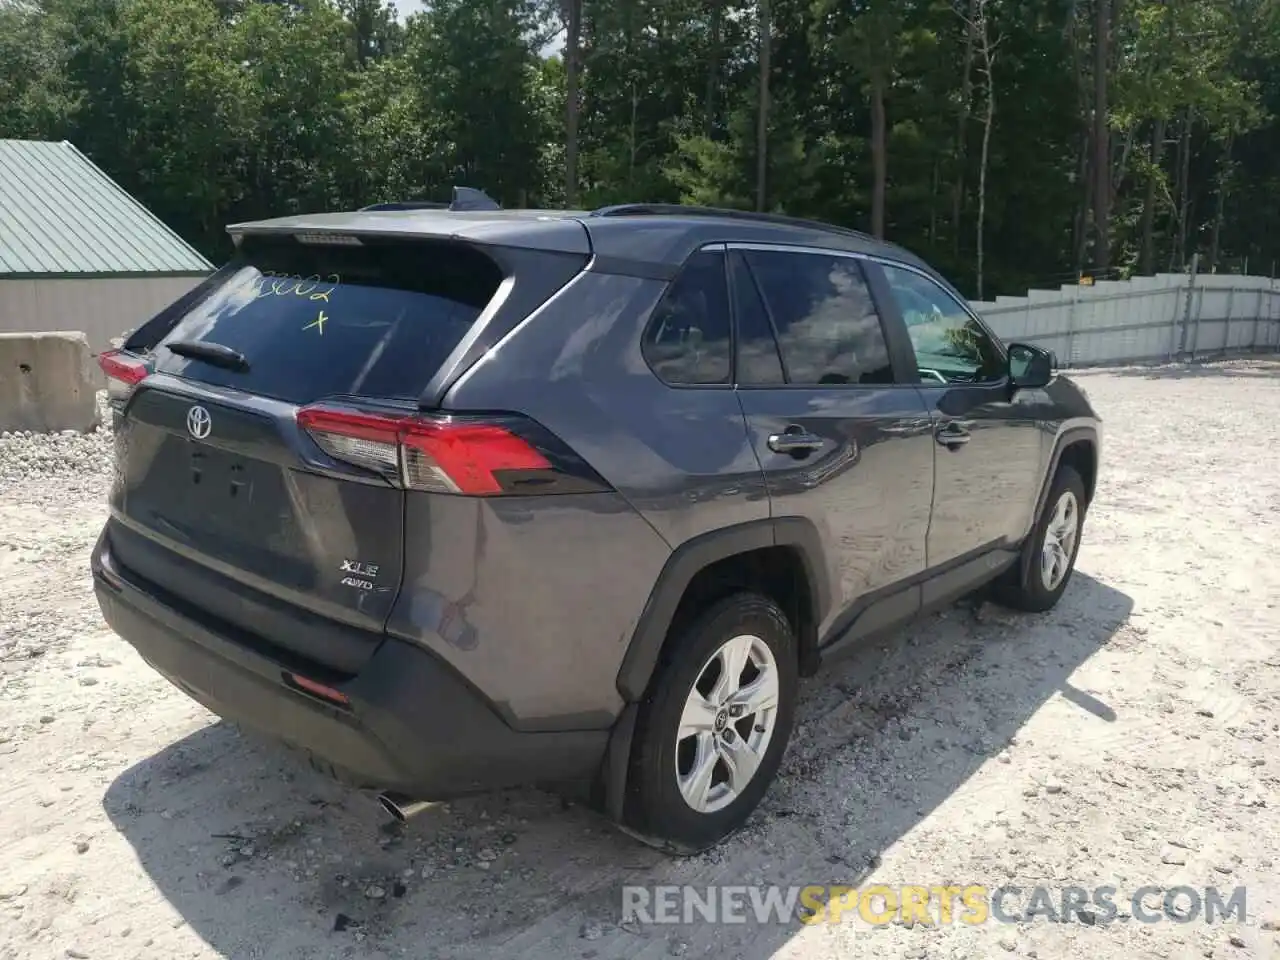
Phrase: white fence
[1165,317]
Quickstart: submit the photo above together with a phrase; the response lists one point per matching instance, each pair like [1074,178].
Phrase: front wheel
[711,732]
[1054,543]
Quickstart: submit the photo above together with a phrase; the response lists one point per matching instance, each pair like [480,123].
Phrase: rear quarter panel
[680,456]
[531,599]
[553,588]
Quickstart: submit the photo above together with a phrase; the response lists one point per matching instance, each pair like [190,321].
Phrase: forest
[1014,143]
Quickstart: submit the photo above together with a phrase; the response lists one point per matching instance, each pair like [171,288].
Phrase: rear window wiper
[214,353]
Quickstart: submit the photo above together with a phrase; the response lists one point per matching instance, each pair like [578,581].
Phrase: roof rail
[464,198]
[683,210]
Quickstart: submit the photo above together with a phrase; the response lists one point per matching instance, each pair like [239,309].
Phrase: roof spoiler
[464,198]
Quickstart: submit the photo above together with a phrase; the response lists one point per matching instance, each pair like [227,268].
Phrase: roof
[62,216]
[667,234]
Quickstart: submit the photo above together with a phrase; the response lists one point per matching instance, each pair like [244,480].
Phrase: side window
[758,360]
[828,329]
[687,339]
[950,346]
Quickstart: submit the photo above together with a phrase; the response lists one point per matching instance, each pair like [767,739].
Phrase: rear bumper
[412,724]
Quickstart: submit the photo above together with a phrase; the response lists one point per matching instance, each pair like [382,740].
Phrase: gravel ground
[1128,738]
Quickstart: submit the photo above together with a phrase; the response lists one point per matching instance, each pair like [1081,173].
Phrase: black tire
[1031,594]
[656,811]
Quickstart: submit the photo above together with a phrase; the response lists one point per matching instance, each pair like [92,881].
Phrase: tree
[1150,125]
[762,121]
[966,105]
[572,56]
[866,36]
[1101,138]
[1180,69]
[292,62]
[34,94]
[986,45]
[184,143]
[375,32]
[714,55]
[475,67]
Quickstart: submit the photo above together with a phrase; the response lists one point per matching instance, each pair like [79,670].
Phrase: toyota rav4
[456,500]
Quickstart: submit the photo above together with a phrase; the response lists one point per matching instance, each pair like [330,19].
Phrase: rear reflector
[318,689]
[439,456]
[124,372]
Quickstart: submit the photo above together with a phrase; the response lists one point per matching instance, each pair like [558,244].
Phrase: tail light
[124,372]
[441,456]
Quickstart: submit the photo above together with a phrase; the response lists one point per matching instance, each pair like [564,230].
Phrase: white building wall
[101,308]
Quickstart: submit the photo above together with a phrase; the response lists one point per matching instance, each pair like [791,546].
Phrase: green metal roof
[61,215]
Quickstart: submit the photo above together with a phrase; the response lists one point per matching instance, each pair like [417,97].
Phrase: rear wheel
[711,732]
[1054,543]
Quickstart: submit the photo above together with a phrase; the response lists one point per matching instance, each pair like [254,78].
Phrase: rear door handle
[795,440]
[951,435]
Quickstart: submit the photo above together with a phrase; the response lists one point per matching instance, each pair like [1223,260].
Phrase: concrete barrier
[46,382]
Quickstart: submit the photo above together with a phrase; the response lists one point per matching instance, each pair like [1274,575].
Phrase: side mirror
[1030,367]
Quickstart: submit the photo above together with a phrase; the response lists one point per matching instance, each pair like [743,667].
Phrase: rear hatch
[268,434]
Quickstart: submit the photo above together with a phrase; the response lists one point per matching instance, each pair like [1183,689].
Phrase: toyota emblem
[199,422]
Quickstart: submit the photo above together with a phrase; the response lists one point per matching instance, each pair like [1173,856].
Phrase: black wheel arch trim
[1066,438]
[692,556]
[617,763]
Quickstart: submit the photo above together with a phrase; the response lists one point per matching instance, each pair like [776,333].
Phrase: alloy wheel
[728,720]
[1059,541]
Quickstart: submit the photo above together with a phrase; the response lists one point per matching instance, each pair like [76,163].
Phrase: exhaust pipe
[402,807]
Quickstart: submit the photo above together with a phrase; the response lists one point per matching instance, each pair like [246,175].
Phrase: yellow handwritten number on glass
[335,280]
[261,286]
[318,323]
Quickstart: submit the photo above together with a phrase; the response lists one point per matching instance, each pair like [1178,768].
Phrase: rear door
[842,442]
[235,503]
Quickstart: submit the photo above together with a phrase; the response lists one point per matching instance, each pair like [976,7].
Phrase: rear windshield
[321,321]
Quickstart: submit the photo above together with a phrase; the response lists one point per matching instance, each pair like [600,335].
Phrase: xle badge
[359,574]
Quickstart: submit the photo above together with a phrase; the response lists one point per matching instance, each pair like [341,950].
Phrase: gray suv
[456,500]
